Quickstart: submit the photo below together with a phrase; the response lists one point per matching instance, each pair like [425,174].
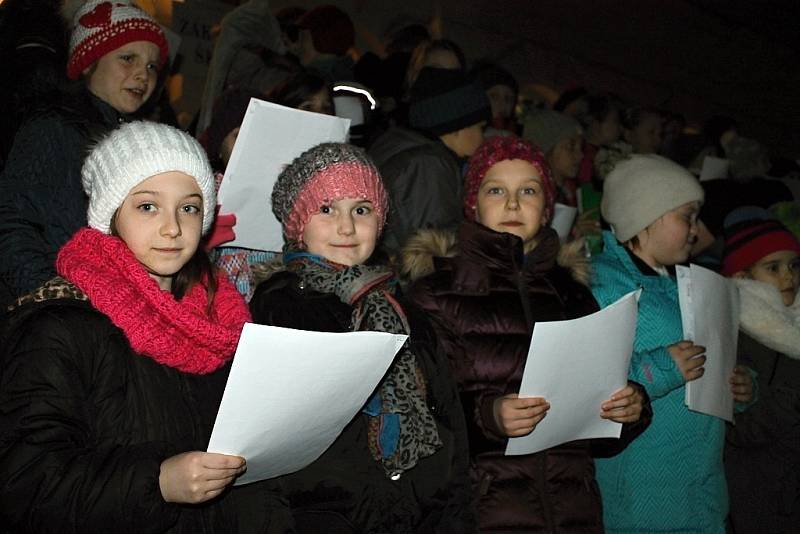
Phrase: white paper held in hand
[710,316]
[271,136]
[290,393]
[576,365]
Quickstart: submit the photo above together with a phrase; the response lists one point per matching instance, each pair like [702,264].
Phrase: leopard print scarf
[401,427]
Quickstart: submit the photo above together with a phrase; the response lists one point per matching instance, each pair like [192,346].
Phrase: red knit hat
[501,148]
[100,27]
[749,241]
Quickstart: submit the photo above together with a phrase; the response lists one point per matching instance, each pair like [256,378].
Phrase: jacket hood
[766,319]
[417,256]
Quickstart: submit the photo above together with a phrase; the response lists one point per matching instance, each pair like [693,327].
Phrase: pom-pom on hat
[445,101]
[643,188]
[501,148]
[547,127]
[133,153]
[100,27]
[746,242]
[321,175]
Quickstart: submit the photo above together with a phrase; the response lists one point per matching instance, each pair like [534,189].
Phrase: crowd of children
[123,308]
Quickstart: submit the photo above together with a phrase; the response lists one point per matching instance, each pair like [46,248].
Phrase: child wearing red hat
[485,288]
[762,453]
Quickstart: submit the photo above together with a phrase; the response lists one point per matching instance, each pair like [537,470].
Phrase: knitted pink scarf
[178,334]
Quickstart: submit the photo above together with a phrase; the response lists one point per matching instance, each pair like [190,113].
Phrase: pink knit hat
[100,27]
[501,148]
[321,175]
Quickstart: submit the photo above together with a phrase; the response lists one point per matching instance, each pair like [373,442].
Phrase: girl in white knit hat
[112,372]
[670,479]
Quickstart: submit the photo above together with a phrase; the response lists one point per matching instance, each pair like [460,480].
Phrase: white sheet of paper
[714,168]
[291,392]
[576,365]
[710,316]
[562,221]
[271,136]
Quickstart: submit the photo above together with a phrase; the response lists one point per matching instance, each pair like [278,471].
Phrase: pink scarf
[174,333]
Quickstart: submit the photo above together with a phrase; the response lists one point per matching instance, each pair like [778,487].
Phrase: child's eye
[795,266]
[146,207]
[191,209]
[126,58]
[325,209]
[494,191]
[772,268]
[363,210]
[152,66]
[529,191]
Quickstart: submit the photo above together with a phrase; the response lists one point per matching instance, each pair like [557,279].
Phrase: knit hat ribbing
[501,148]
[445,101]
[133,153]
[547,127]
[643,188]
[323,174]
[748,241]
[100,26]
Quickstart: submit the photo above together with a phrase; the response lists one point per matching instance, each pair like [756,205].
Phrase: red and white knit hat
[100,27]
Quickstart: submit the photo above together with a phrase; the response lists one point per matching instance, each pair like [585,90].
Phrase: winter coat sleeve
[424,192]
[478,406]
[458,514]
[55,474]
[39,210]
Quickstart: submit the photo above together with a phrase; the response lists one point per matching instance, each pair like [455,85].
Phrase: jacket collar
[616,250]
[110,115]
[766,319]
[485,253]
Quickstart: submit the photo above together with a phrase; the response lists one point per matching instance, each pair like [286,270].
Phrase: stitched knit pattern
[102,27]
[135,152]
[320,175]
[177,334]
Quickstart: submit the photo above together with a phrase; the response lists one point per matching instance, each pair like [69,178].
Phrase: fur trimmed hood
[416,258]
[766,319]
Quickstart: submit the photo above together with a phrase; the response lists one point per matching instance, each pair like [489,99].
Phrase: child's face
[646,136]
[161,220]
[345,231]
[780,269]
[669,240]
[511,199]
[125,78]
[565,157]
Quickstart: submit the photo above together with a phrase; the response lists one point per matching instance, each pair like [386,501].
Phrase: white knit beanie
[133,153]
[643,188]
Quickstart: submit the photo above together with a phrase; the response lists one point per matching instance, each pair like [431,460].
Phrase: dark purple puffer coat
[484,301]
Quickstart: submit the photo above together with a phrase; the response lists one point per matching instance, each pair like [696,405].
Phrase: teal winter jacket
[671,478]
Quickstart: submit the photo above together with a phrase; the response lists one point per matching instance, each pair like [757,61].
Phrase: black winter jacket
[346,481]
[423,179]
[85,424]
[42,202]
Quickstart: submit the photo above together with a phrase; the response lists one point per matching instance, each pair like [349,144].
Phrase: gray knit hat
[546,128]
[133,153]
[321,175]
[643,188]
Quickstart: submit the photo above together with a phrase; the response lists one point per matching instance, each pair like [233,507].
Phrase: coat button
[432,408]
[395,475]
